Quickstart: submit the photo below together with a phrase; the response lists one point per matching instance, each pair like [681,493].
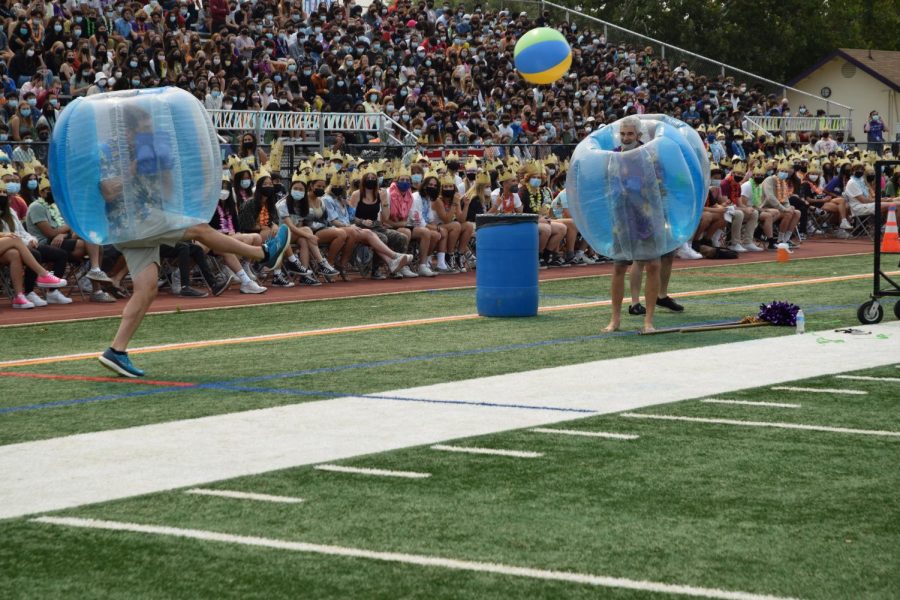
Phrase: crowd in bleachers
[443,72]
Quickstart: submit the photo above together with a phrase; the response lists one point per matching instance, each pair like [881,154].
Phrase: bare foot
[648,329]
[613,326]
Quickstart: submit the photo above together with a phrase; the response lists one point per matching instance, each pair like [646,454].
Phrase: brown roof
[885,63]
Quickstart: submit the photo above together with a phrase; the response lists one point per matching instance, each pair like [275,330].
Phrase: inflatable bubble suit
[135,164]
[641,203]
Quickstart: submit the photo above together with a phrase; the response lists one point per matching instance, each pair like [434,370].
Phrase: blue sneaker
[275,248]
[119,363]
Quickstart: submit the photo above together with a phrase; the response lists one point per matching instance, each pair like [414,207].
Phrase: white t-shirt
[420,213]
[855,188]
[495,200]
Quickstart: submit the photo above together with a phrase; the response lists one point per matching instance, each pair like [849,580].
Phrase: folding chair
[6,283]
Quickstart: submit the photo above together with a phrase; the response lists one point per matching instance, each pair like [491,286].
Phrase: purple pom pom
[779,313]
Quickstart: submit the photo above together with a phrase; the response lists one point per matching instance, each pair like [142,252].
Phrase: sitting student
[811,191]
[752,196]
[451,216]
[367,201]
[259,215]
[224,220]
[730,188]
[15,254]
[399,214]
[339,215]
[45,223]
[292,210]
[10,223]
[424,206]
[860,196]
[424,224]
[776,194]
[536,198]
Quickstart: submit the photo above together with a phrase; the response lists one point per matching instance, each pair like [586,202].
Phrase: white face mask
[813,177]
[223,194]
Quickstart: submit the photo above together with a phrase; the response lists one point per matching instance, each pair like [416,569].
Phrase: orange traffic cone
[890,242]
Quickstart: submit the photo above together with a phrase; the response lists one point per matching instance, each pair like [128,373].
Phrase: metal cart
[872,311]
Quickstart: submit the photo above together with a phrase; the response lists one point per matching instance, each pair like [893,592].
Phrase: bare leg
[618,293]
[665,273]
[220,243]
[651,293]
[557,234]
[136,308]
[543,236]
[16,271]
[467,230]
[335,238]
[25,256]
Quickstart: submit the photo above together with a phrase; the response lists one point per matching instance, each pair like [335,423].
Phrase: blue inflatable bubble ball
[636,188]
[132,165]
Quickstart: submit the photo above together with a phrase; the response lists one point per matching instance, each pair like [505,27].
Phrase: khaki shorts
[862,208]
[140,254]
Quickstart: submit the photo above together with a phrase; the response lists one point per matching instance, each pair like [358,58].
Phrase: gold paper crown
[317,175]
[784,165]
[25,171]
[815,167]
[338,180]
[483,178]
[370,170]
[298,177]
[759,171]
[263,172]
[471,165]
[44,184]
[452,156]
[505,175]
[448,179]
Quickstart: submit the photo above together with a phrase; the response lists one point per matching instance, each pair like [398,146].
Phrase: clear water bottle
[801,321]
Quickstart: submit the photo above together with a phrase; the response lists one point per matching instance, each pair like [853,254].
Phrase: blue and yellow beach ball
[542,56]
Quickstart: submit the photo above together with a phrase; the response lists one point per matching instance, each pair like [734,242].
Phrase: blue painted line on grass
[293,392]
[88,400]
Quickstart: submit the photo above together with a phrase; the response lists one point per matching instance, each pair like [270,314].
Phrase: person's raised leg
[617,292]
[220,243]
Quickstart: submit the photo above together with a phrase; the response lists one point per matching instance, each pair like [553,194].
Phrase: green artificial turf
[768,511]
[421,355]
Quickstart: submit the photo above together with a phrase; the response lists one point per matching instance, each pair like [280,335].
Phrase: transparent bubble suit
[131,165]
[642,203]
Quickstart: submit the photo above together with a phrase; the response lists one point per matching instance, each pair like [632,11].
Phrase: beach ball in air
[639,203]
[132,165]
[542,55]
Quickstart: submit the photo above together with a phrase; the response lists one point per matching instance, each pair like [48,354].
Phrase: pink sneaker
[20,301]
[50,281]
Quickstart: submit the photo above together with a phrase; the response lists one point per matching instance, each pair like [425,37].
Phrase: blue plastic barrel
[507,276]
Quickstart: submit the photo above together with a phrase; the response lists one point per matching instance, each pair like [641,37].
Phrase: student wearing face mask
[401,213]
[250,153]
[21,125]
[259,214]
[371,204]
[225,220]
[341,215]
[860,196]
[874,130]
[292,211]
[777,190]
[812,190]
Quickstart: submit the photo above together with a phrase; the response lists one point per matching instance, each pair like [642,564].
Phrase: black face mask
[737,176]
[453,166]
[371,184]
[870,177]
[318,192]
[431,192]
[337,191]
[4,203]
[858,174]
[470,176]
[514,189]
[758,180]
[250,145]
[267,191]
[448,193]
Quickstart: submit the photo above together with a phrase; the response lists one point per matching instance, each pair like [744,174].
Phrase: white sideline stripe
[65,472]
[409,559]
[600,434]
[764,424]
[380,472]
[749,403]
[244,495]
[867,378]
[494,451]
[789,388]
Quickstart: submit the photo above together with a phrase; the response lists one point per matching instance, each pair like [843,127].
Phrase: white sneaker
[57,297]
[35,299]
[751,247]
[425,271]
[717,238]
[398,262]
[685,252]
[85,285]
[842,234]
[845,224]
[251,287]
[176,282]
[407,272]
[735,247]
[97,274]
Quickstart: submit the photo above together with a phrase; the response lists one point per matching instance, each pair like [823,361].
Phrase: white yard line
[93,467]
[839,391]
[244,495]
[411,559]
[799,426]
[599,434]
[867,378]
[377,472]
[491,451]
[751,403]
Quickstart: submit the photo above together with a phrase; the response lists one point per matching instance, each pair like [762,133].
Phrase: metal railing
[786,124]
